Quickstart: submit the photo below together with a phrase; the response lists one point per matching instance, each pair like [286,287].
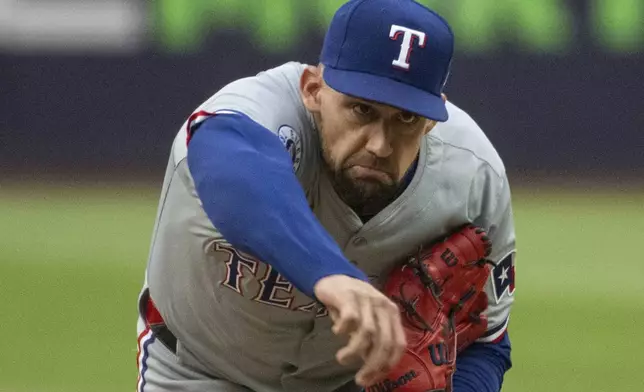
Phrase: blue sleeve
[244,177]
[481,367]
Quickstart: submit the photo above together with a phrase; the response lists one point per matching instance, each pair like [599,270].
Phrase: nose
[378,142]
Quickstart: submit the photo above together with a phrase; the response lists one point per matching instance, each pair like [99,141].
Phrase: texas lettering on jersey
[274,289]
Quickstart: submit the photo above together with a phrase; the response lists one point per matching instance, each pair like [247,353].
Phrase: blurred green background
[73,259]
[98,90]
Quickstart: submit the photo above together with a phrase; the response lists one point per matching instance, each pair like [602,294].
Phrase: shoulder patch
[503,277]
[293,143]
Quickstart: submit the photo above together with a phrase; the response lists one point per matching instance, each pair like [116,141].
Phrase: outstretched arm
[244,178]
[245,181]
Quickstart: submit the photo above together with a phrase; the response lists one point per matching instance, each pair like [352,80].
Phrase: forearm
[481,367]
[244,178]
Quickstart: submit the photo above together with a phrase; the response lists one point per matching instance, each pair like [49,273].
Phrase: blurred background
[93,92]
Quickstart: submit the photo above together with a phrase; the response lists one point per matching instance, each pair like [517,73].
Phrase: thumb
[334,313]
[330,300]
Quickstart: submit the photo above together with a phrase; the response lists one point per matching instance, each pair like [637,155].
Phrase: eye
[363,110]
[408,118]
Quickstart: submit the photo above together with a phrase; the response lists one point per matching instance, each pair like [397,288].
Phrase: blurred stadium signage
[178,26]
[549,26]
[72,25]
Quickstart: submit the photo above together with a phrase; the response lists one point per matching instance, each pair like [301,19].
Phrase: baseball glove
[439,292]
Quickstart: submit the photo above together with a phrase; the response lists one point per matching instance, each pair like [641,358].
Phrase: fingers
[370,319]
[378,338]
[333,312]
[362,337]
[388,343]
[347,316]
[377,361]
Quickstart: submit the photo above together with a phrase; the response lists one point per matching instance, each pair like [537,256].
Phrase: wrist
[328,282]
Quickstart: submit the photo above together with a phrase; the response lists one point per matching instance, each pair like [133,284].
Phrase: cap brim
[387,91]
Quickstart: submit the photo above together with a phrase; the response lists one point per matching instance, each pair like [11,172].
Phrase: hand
[370,319]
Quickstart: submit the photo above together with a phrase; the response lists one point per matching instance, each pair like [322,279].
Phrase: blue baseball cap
[395,52]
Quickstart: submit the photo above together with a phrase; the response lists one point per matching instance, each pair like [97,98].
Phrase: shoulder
[464,141]
[271,99]
[468,167]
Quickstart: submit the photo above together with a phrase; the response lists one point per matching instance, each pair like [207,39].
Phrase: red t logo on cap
[406,47]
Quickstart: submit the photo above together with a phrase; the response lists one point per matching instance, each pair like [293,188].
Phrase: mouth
[369,173]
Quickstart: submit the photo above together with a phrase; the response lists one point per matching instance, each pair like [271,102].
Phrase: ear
[311,83]
[430,125]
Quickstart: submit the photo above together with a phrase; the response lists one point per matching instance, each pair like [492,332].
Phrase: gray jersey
[237,318]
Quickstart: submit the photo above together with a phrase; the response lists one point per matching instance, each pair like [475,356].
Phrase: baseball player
[331,226]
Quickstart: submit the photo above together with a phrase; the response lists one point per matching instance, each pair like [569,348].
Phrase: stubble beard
[365,197]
